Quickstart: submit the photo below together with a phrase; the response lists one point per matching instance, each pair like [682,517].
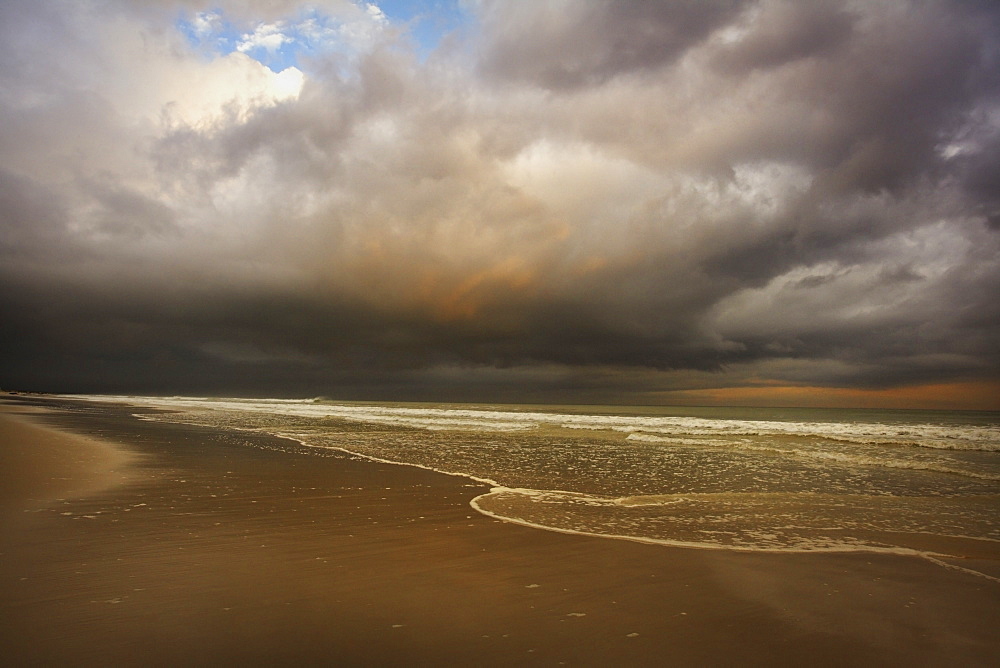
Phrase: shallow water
[734,478]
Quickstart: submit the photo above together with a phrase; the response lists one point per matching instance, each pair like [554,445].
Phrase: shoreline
[236,546]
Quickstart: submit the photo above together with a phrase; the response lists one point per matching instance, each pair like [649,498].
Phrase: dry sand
[211,547]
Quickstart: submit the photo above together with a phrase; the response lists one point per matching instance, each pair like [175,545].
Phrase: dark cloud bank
[590,201]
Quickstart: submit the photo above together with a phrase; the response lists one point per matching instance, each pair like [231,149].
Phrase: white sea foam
[803,546]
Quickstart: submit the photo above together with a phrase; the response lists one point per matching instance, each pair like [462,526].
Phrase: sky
[750,202]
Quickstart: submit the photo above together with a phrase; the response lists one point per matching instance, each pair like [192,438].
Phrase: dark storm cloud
[570,44]
[614,197]
[979,173]
[785,33]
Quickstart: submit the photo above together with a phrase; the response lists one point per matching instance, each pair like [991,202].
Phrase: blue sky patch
[292,40]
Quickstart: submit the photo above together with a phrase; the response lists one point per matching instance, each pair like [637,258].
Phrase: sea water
[924,482]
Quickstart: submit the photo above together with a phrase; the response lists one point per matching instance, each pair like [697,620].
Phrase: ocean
[756,479]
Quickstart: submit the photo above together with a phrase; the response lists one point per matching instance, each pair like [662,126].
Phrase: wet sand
[51,465]
[177,545]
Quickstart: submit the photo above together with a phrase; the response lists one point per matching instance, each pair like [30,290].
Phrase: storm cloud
[559,200]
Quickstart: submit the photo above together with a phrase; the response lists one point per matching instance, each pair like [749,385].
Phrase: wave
[793,538]
[865,458]
[932,436]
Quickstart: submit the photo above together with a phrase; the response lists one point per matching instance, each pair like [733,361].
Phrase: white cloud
[206,23]
[581,182]
[375,13]
[182,90]
[268,36]
[287,84]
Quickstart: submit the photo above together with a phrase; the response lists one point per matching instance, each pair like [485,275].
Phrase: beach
[176,544]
